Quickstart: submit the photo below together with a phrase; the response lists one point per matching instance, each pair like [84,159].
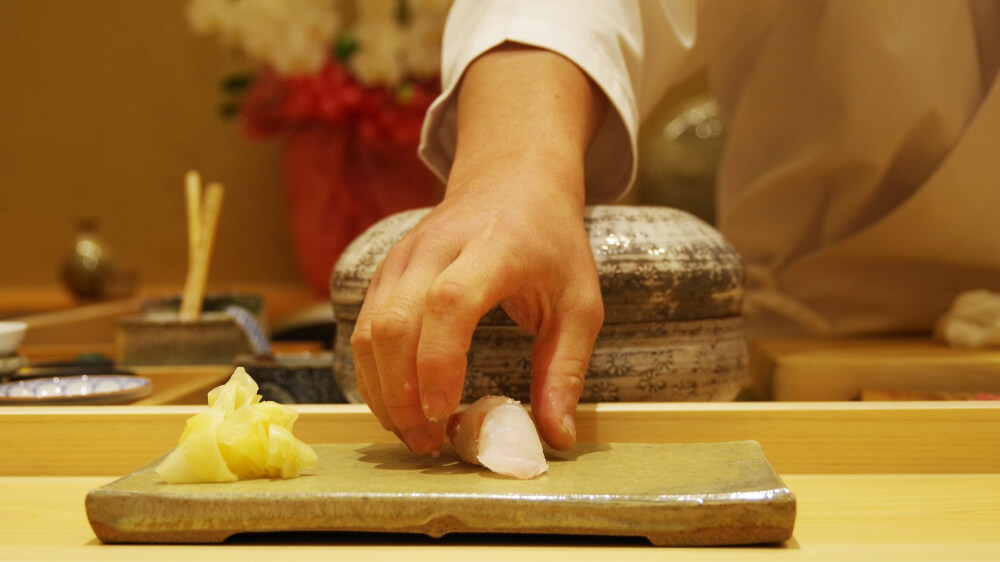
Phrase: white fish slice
[496,432]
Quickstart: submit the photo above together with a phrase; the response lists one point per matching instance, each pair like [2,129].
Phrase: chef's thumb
[559,363]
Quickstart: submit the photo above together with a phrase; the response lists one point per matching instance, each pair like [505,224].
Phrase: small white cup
[11,334]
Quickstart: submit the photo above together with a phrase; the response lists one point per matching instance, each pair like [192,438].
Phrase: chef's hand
[509,231]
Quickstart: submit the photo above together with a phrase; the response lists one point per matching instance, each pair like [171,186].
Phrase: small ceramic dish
[82,389]
[11,334]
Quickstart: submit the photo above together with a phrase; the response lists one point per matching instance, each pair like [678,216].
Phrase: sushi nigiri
[496,432]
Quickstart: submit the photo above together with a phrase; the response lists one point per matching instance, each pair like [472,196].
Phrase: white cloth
[972,321]
[859,180]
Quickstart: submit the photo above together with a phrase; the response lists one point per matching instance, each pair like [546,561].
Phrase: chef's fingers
[559,362]
[365,367]
[396,329]
[395,332]
[479,278]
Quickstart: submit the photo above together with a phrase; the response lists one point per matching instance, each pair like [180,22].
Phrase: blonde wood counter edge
[800,438]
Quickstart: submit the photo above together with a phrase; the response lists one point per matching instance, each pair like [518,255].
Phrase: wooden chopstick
[194,286]
[192,192]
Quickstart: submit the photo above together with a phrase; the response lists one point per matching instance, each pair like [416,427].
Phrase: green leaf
[345,45]
[404,93]
[229,109]
[237,83]
[403,12]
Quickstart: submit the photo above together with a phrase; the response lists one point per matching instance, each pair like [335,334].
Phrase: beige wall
[104,104]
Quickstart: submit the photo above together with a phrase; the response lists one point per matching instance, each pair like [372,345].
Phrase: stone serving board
[685,494]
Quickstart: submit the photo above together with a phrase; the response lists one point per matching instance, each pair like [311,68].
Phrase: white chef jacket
[860,181]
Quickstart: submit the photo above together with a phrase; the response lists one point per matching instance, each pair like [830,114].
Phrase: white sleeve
[632,49]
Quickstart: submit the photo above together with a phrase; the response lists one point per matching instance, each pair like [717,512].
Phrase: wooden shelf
[831,369]
[55,319]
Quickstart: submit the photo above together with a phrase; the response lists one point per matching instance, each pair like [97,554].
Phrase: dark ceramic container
[159,337]
[672,290]
[289,378]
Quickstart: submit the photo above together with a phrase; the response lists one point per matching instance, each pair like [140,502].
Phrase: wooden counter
[842,369]
[916,481]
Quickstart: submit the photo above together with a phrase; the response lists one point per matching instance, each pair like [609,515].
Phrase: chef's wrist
[525,119]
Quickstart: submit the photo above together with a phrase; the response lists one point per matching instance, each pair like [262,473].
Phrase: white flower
[382,10]
[387,51]
[294,36]
[377,60]
[421,45]
[208,16]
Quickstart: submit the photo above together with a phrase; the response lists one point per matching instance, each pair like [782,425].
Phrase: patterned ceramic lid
[656,264]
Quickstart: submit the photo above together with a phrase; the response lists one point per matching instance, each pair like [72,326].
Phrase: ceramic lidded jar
[672,290]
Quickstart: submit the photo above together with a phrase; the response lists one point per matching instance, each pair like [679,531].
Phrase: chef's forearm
[528,106]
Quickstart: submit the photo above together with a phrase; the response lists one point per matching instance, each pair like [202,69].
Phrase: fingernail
[421,443]
[435,403]
[569,425]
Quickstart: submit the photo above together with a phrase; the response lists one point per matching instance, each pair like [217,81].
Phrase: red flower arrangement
[350,156]
[345,86]
[378,116]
